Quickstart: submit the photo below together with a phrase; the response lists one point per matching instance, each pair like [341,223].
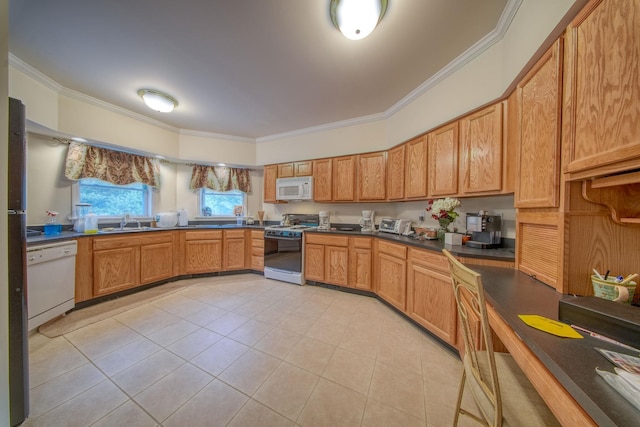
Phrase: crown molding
[27,69]
[509,12]
[213,135]
[321,128]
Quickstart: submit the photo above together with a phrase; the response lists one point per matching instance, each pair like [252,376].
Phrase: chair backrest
[478,358]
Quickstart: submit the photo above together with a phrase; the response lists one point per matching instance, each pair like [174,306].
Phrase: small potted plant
[444,211]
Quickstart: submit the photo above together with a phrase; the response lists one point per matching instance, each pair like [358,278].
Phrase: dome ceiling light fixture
[158,101]
[356,19]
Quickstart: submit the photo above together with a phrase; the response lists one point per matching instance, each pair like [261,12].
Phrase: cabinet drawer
[127,240]
[257,251]
[398,251]
[320,239]
[234,234]
[429,259]
[257,234]
[257,243]
[361,242]
[203,235]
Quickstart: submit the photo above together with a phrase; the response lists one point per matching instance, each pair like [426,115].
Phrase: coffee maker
[366,222]
[485,230]
[323,220]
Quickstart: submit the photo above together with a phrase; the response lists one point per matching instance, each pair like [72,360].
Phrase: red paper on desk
[549,326]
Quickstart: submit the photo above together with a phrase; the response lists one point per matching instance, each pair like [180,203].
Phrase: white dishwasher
[51,276]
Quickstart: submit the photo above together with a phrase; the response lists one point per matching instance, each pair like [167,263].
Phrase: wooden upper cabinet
[443,160]
[344,179]
[323,180]
[270,175]
[416,164]
[288,170]
[539,97]
[481,151]
[601,119]
[372,176]
[395,173]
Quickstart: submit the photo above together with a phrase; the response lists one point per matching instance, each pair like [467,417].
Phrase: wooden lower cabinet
[234,250]
[327,259]
[257,250]
[391,273]
[336,265]
[115,270]
[314,262]
[430,300]
[202,251]
[156,262]
[360,263]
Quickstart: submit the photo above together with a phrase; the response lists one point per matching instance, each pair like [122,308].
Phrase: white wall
[49,189]
[359,138]
[4,280]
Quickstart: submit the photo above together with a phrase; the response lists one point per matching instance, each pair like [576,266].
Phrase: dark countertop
[499,254]
[67,235]
[571,361]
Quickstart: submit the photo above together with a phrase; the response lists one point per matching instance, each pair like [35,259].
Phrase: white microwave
[299,188]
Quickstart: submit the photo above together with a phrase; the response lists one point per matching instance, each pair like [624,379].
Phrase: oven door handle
[282,238]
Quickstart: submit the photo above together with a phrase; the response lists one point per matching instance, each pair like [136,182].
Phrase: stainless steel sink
[123,230]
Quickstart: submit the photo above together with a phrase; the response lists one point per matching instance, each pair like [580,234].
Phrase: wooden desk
[561,369]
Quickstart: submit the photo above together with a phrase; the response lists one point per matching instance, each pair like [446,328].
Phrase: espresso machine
[485,230]
[366,222]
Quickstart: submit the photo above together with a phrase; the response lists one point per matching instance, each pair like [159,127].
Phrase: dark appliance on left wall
[17,265]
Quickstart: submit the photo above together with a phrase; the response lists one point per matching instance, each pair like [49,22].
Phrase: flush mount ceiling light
[157,100]
[356,19]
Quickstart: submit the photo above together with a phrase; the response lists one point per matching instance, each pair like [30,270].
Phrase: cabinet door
[234,254]
[443,161]
[336,265]
[395,173]
[602,123]
[360,263]
[203,256]
[285,170]
[314,262]
[361,266]
[416,178]
[257,250]
[303,168]
[344,179]
[270,176]
[481,151]
[322,180]
[392,280]
[430,301]
[115,270]
[156,262]
[540,98]
[371,176]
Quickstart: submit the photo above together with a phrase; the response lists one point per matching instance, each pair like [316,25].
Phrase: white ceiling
[246,68]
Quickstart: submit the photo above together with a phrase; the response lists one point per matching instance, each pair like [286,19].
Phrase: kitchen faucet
[126,219]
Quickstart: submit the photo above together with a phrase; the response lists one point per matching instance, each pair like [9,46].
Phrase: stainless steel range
[284,245]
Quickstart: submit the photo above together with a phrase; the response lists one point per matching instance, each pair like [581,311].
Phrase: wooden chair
[502,393]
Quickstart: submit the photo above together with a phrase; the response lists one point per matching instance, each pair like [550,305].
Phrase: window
[217,203]
[108,199]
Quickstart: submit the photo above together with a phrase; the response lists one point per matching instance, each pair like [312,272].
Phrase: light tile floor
[243,350]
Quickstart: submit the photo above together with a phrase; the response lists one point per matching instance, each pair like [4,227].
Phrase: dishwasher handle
[45,253]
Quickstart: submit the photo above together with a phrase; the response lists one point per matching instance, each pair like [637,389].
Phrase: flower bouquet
[444,211]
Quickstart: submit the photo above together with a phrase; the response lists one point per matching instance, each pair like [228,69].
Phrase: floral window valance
[220,178]
[116,167]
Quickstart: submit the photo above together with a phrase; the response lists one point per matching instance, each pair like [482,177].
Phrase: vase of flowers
[444,211]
